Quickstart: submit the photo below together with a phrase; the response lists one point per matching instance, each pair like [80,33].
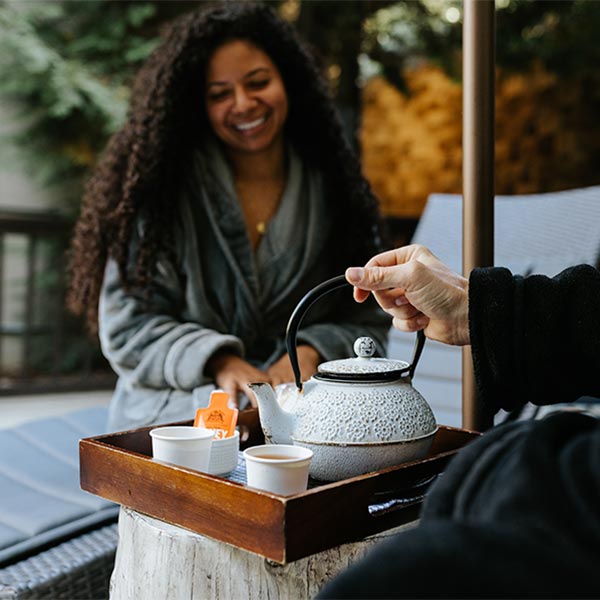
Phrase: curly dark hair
[135,175]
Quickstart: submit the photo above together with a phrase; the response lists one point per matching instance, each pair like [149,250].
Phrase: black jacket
[535,338]
[517,512]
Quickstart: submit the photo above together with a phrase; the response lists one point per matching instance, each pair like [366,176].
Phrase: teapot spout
[277,424]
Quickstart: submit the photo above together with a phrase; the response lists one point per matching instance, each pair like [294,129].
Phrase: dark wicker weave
[78,569]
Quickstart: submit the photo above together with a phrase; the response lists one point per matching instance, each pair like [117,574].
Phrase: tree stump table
[158,560]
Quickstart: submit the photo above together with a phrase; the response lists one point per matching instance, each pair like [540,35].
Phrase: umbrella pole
[478,170]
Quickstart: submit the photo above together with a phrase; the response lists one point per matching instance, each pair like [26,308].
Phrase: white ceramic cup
[224,454]
[278,468]
[183,445]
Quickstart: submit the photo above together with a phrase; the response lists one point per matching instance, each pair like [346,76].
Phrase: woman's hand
[418,291]
[308,360]
[232,374]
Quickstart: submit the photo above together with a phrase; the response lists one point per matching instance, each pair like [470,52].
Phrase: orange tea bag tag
[218,415]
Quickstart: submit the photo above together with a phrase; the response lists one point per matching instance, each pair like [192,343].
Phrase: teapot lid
[364,368]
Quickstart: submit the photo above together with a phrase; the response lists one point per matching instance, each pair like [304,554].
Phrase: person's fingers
[276,379]
[396,304]
[418,291]
[404,313]
[360,295]
[354,275]
[257,376]
[402,255]
[231,388]
[281,373]
[394,268]
[250,395]
[391,298]
[411,325]
[378,278]
[390,258]
[234,377]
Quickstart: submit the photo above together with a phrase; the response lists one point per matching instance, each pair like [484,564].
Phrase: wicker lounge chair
[56,541]
[78,569]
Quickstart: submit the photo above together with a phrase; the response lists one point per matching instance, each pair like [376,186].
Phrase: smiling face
[246,101]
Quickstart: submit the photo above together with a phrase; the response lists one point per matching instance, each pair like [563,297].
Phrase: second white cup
[183,445]
[224,454]
[278,468]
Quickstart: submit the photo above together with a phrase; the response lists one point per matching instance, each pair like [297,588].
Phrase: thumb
[231,389]
[371,278]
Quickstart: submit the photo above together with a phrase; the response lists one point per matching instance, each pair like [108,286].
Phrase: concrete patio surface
[15,410]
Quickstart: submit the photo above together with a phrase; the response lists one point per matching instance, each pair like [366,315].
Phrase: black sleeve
[535,339]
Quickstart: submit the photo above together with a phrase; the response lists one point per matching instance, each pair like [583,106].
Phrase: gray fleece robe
[222,295]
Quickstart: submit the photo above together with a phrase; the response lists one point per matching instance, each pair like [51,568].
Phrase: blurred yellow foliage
[411,144]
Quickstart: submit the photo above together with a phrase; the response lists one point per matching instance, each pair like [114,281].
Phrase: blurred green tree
[560,34]
[66,66]
[64,73]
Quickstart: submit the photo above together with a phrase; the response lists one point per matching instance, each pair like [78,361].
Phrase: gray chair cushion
[537,233]
[41,502]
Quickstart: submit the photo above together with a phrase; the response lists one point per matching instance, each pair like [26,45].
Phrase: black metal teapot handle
[302,307]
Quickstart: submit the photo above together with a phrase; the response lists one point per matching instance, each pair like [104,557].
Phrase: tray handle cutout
[383,503]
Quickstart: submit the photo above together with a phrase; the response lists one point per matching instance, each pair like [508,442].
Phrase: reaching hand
[418,291]
[232,374]
[281,371]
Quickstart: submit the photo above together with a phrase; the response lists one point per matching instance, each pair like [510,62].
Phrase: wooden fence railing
[41,346]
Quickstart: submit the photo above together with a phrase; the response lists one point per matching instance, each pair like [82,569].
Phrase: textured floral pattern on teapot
[360,414]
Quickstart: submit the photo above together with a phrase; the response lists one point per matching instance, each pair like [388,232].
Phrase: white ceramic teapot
[357,414]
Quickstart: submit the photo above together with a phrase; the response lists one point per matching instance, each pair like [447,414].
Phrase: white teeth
[251,124]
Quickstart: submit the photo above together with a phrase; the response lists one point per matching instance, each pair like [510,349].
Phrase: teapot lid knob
[364,347]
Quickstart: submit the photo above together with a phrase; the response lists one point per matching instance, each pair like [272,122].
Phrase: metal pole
[478,169]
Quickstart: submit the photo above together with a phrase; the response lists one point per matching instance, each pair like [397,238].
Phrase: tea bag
[218,415]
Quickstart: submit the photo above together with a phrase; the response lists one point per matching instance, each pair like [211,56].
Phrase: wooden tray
[120,467]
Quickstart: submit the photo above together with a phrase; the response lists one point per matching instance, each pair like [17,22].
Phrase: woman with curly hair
[228,194]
